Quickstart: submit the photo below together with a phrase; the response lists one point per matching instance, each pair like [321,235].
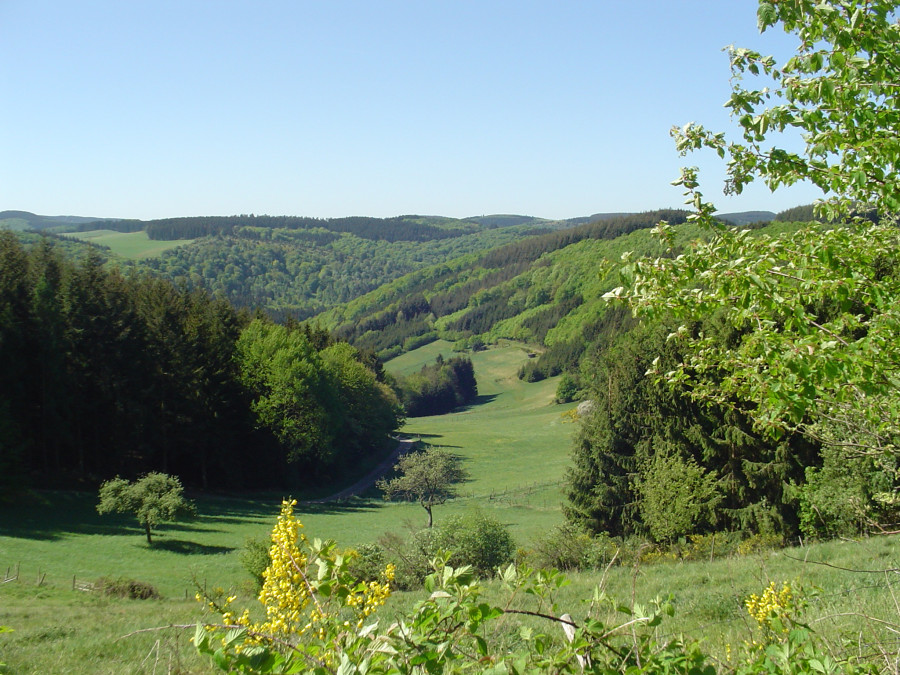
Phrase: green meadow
[131,245]
[514,442]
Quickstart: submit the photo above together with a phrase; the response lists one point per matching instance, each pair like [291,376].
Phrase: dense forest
[439,388]
[123,371]
[302,271]
[105,374]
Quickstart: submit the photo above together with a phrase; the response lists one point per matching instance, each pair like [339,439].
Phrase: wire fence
[517,496]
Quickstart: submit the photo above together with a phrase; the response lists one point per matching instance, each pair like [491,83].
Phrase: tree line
[104,374]
[399,228]
[438,388]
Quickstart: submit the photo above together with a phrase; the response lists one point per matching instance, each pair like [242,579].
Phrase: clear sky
[139,109]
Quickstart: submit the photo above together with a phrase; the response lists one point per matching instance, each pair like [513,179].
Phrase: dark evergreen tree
[635,419]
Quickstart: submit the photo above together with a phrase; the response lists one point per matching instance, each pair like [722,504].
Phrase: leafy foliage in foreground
[320,619]
[814,317]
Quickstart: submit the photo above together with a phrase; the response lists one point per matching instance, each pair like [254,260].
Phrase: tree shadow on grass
[348,505]
[188,547]
[484,399]
[57,515]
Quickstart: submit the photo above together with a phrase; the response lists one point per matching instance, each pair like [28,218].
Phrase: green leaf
[765,15]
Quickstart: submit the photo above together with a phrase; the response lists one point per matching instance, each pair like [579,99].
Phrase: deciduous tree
[153,499]
[429,477]
[818,346]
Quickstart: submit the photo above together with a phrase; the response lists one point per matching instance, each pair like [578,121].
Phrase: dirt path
[369,479]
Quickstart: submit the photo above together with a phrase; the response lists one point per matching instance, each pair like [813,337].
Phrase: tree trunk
[427,507]
[147,530]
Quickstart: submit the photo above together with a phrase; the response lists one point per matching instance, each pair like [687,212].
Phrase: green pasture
[131,245]
[848,588]
[412,362]
[514,441]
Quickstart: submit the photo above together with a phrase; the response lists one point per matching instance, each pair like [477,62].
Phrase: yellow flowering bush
[773,605]
[314,607]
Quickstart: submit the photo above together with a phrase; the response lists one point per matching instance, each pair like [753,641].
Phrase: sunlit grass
[131,245]
[515,443]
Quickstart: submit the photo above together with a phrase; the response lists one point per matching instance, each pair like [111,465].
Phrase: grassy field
[411,362]
[61,630]
[514,442]
[131,245]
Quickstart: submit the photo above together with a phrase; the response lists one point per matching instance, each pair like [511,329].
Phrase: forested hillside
[545,290]
[104,374]
[293,266]
[301,272]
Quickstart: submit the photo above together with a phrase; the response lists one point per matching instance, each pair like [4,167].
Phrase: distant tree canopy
[304,271]
[400,228]
[103,374]
[439,388]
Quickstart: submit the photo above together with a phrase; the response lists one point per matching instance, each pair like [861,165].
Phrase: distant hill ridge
[390,283]
[22,220]
[397,228]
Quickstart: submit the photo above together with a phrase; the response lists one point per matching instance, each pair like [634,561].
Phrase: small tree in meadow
[153,499]
[428,477]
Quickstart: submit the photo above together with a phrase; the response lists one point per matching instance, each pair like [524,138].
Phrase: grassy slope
[131,245]
[514,429]
[411,362]
[516,446]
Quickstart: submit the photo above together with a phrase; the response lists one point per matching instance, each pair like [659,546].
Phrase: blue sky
[333,108]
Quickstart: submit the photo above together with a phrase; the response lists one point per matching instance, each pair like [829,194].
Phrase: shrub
[676,496]
[846,496]
[409,556]
[763,541]
[568,547]
[567,389]
[126,588]
[475,539]
[255,559]
[367,562]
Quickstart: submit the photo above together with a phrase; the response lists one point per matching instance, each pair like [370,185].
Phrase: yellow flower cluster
[294,603]
[368,597]
[285,592]
[772,603]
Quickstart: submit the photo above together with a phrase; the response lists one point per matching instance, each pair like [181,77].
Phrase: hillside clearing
[130,245]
